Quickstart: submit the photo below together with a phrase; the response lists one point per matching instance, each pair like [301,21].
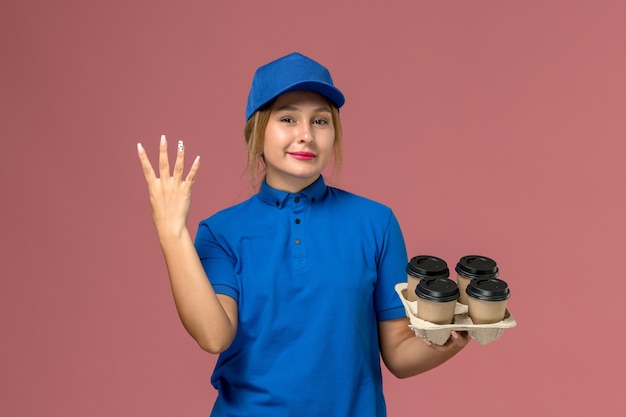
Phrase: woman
[294,287]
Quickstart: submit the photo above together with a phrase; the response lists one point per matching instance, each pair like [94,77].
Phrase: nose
[305,134]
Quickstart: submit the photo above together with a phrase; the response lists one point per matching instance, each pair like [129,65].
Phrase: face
[299,140]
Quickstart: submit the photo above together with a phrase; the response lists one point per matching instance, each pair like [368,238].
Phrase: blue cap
[290,73]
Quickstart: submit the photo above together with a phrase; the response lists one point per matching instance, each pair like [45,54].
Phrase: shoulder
[353,201]
[355,210]
[230,214]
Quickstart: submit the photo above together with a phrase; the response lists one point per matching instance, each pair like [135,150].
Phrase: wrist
[171,236]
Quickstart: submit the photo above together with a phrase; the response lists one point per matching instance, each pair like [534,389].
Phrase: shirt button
[297,221]
[313,200]
[277,203]
[297,199]
[297,241]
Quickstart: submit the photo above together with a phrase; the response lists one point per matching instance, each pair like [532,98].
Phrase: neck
[293,186]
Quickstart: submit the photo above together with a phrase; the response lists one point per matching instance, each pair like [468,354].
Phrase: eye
[286,119]
[320,121]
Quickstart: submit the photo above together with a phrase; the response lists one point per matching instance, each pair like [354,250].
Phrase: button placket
[297,231]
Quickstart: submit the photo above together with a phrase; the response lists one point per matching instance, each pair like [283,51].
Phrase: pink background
[489,127]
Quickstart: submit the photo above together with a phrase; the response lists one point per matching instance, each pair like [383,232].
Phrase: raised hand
[170,194]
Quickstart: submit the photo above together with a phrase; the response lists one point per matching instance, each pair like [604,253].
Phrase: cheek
[268,140]
[273,147]
[274,138]
[329,143]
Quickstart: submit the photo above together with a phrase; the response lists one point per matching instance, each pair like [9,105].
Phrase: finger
[457,339]
[191,176]
[146,166]
[179,165]
[465,337]
[164,164]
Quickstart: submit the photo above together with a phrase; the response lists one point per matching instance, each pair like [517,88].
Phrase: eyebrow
[293,108]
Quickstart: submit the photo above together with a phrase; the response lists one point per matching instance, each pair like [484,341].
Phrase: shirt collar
[314,192]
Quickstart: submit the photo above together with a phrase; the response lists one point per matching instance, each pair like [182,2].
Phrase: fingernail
[139,148]
[162,139]
[180,146]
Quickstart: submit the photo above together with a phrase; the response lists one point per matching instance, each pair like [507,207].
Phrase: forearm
[201,311]
[413,357]
[407,355]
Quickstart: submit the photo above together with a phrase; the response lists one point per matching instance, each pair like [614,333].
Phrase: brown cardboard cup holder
[440,333]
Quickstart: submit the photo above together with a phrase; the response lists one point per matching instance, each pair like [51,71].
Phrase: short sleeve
[391,271]
[218,261]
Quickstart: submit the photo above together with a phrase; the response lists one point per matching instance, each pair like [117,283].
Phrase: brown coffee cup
[471,267]
[487,300]
[436,299]
[421,267]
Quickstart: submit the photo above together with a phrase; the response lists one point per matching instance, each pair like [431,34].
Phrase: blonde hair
[254,134]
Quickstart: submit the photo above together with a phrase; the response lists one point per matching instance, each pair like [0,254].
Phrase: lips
[302,155]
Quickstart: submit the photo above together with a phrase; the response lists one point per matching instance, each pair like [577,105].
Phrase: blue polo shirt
[312,273]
